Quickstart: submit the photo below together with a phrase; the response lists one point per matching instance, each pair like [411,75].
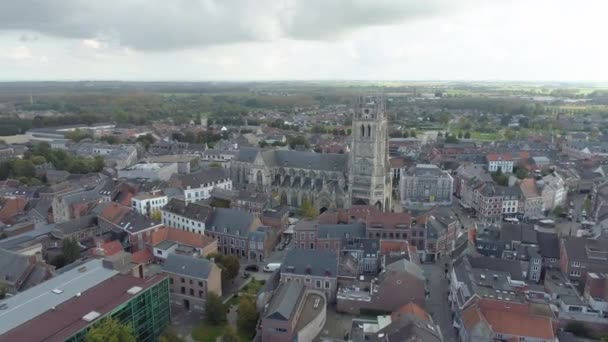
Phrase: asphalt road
[437,302]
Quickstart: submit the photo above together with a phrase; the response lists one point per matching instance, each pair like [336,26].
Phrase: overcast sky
[303,39]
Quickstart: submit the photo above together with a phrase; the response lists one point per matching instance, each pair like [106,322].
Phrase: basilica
[324,179]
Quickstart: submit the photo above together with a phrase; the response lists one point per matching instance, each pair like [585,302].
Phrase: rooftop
[36,300]
[68,316]
[316,263]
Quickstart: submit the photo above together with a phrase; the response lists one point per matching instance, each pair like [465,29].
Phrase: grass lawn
[251,289]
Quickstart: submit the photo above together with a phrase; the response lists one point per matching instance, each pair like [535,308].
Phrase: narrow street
[437,302]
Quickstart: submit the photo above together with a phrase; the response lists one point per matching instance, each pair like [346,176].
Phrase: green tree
[510,134]
[156,215]
[558,210]
[500,178]
[169,335]
[23,168]
[298,140]
[412,134]
[459,134]
[444,118]
[3,291]
[215,311]
[578,329]
[110,330]
[147,140]
[38,160]
[587,205]
[247,316]
[229,264]
[451,139]
[77,135]
[467,135]
[307,209]
[230,335]
[70,250]
[521,173]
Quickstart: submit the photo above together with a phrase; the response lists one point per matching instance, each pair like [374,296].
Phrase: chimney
[327,272]
[308,269]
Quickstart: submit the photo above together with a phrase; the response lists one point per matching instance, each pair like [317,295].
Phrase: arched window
[259,177]
[362,130]
[369,130]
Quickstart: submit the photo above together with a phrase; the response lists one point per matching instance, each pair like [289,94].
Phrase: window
[312,245]
[575,273]
[200,283]
[302,236]
[183,280]
[183,290]
[327,245]
[191,282]
[312,236]
[576,264]
[200,294]
[327,284]
[171,280]
[318,284]
[159,252]
[307,280]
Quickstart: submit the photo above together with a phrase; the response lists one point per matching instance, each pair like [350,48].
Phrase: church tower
[370,181]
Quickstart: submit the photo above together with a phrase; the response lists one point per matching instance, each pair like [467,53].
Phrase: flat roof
[28,304]
[309,310]
[73,315]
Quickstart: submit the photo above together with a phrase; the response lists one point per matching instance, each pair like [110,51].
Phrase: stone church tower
[369,181]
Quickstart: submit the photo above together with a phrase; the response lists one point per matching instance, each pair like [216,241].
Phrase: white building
[147,204]
[554,191]
[190,217]
[197,186]
[502,161]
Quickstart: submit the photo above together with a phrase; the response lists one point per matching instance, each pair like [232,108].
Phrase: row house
[148,203]
[497,161]
[492,201]
[533,200]
[580,256]
[198,186]
[184,215]
[240,233]
[138,227]
[441,232]
[316,270]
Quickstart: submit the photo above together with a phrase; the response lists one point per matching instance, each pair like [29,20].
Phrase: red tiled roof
[528,188]
[180,236]
[143,256]
[111,248]
[395,246]
[389,220]
[11,206]
[411,309]
[114,212]
[499,156]
[508,318]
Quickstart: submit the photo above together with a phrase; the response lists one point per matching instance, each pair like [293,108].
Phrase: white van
[272,267]
[512,220]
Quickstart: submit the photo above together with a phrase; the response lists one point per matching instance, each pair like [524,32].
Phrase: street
[437,302]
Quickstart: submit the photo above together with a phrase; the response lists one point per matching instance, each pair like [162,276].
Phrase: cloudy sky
[303,39]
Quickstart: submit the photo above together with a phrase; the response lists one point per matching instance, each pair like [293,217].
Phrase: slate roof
[13,266]
[507,266]
[549,245]
[192,267]
[197,179]
[523,233]
[193,211]
[311,160]
[76,224]
[230,221]
[285,300]
[247,154]
[338,231]
[320,263]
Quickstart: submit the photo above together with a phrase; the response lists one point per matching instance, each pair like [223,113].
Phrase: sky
[202,40]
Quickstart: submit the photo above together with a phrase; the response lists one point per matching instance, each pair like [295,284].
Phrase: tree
[439,134]
[169,335]
[307,209]
[110,330]
[297,141]
[215,311]
[247,316]
[459,134]
[3,291]
[521,173]
[70,250]
[451,139]
[412,133]
[77,135]
[558,210]
[500,178]
[229,264]
[510,134]
[444,118]
[578,329]
[147,140]
[230,335]
[156,215]
[467,135]
[587,205]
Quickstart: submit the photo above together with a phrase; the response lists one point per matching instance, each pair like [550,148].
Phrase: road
[437,302]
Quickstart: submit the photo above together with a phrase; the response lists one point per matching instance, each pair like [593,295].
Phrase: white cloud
[20,53]
[91,43]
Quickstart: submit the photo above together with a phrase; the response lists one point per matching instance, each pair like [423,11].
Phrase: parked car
[272,267]
[252,268]
[245,275]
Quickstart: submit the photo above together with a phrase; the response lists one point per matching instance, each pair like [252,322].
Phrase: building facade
[426,185]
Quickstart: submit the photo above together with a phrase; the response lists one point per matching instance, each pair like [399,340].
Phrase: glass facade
[149,313]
